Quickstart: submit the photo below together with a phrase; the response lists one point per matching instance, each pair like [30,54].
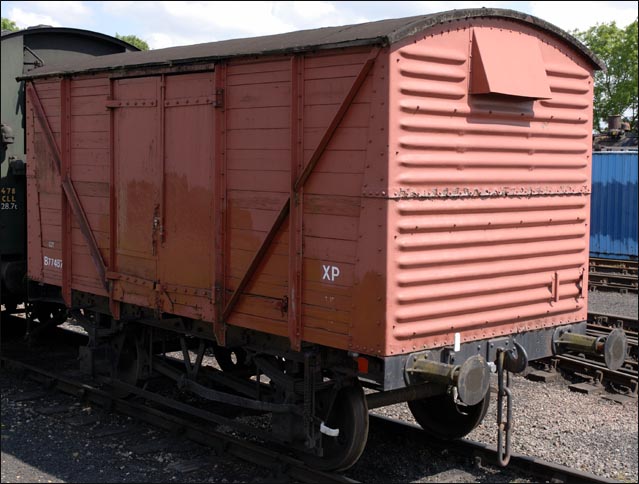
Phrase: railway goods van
[400,205]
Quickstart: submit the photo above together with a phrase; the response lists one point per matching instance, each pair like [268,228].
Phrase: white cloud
[252,18]
[570,15]
[312,10]
[66,14]
[29,19]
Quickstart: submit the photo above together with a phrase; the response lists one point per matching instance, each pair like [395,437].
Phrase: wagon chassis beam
[297,185]
[71,195]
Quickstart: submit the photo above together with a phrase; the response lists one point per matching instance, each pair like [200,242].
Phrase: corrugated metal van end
[613,233]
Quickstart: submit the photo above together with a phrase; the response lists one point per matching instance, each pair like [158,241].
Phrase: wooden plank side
[354,139]
[88,105]
[250,241]
[330,226]
[255,199]
[255,118]
[89,82]
[49,200]
[90,140]
[326,59]
[276,327]
[52,85]
[246,158]
[96,222]
[79,90]
[338,298]
[90,123]
[238,67]
[320,115]
[54,123]
[269,181]
[341,161]
[274,264]
[50,216]
[332,71]
[342,206]
[261,288]
[95,205]
[92,156]
[333,250]
[89,173]
[330,321]
[235,273]
[340,184]
[332,91]
[259,77]
[92,189]
[258,139]
[102,238]
[250,96]
[51,235]
[250,219]
[264,307]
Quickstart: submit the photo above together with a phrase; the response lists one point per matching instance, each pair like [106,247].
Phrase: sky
[172,23]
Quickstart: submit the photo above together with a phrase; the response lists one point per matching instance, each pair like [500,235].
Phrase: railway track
[626,267]
[613,275]
[487,454]
[613,320]
[625,379]
[612,282]
[197,425]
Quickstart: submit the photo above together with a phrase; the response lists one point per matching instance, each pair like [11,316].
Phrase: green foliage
[9,25]
[616,89]
[133,40]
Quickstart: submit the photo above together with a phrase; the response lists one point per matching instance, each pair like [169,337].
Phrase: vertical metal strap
[114,305]
[295,256]
[220,209]
[65,174]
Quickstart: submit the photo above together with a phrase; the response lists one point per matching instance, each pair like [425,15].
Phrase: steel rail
[614,319]
[616,265]
[269,458]
[531,465]
[610,280]
[622,376]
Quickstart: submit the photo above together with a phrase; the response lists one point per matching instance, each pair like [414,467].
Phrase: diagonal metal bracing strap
[67,186]
[301,180]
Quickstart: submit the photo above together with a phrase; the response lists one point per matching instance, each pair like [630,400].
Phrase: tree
[133,40]
[616,89]
[9,25]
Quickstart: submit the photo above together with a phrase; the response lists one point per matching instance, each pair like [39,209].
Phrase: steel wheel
[349,414]
[441,418]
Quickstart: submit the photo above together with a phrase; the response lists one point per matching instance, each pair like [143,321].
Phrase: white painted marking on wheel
[328,431]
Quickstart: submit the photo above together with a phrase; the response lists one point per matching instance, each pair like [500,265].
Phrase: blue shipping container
[613,212]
